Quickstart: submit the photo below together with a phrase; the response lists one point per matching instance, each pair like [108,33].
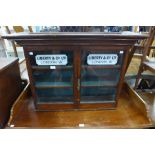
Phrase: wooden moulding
[137,101]
[18,104]
[71,107]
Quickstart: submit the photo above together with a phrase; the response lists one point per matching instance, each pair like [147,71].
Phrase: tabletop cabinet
[70,71]
[75,78]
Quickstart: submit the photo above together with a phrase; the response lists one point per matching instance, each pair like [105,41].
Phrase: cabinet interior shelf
[70,67]
[98,84]
[100,99]
[57,100]
[101,67]
[53,85]
[48,67]
[69,84]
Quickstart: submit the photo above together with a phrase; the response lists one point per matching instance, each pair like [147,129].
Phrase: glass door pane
[100,73]
[53,76]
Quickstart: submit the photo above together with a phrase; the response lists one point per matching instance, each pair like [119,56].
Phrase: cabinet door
[52,73]
[100,73]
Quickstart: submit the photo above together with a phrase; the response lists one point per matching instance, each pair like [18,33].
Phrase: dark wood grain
[122,74]
[10,86]
[77,64]
[32,82]
[123,35]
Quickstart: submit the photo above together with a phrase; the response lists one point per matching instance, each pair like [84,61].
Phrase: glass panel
[55,76]
[97,94]
[52,95]
[33,55]
[99,79]
[53,83]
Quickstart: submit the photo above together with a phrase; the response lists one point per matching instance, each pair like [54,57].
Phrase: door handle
[78,87]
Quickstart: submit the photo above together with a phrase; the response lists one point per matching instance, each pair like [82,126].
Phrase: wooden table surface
[127,115]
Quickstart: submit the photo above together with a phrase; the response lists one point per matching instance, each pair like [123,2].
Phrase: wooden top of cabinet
[51,35]
[124,40]
[6,62]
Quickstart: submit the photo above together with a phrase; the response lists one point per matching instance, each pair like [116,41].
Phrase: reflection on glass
[97,94]
[99,82]
[53,83]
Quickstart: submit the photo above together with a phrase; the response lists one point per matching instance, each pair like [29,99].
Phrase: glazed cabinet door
[52,78]
[100,74]
[74,78]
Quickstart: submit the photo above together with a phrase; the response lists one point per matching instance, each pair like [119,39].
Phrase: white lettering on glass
[102,59]
[55,59]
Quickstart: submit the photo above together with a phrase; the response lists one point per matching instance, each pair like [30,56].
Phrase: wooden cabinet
[76,70]
[10,86]
[75,78]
